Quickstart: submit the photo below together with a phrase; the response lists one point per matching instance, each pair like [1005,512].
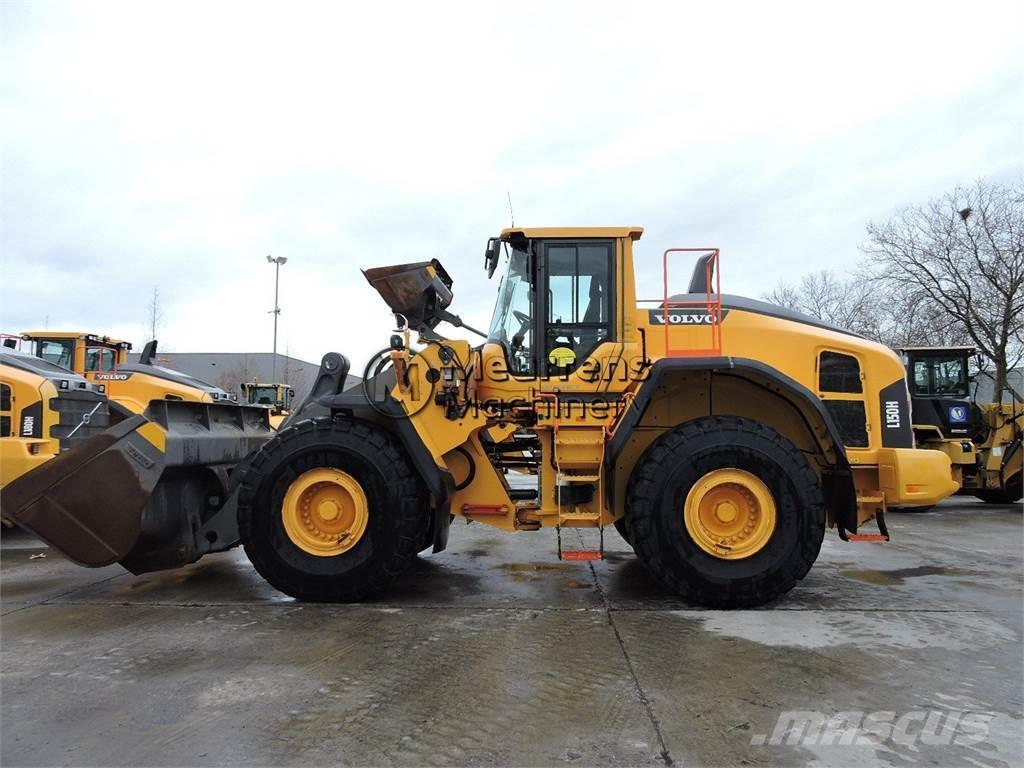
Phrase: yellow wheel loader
[982,440]
[104,361]
[276,397]
[44,409]
[721,435]
[80,446]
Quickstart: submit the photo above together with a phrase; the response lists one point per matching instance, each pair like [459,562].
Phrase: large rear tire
[372,520]
[726,512]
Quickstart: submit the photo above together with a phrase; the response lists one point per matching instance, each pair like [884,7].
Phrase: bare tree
[294,374]
[956,266]
[155,314]
[231,379]
[852,303]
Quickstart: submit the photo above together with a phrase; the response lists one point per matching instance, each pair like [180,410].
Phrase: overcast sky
[175,145]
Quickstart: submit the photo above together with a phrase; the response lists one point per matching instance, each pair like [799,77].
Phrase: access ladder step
[582,554]
[867,537]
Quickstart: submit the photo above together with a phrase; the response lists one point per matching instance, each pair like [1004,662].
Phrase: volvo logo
[688,316]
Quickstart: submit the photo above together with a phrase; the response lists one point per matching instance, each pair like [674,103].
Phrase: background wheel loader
[104,361]
[721,435]
[111,501]
[276,397]
[44,409]
[982,440]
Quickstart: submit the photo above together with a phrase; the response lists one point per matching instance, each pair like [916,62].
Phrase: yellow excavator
[982,440]
[721,435]
[276,397]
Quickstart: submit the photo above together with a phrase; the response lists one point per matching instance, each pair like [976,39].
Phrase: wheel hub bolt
[726,511]
[328,510]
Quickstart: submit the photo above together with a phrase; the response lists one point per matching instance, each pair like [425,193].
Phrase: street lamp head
[270,259]
[281,260]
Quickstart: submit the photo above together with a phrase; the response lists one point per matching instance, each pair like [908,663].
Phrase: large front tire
[373,512]
[726,512]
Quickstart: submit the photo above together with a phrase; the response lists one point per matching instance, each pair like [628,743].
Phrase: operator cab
[940,389]
[79,352]
[556,300]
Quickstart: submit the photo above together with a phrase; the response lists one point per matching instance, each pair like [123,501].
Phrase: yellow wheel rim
[325,512]
[730,514]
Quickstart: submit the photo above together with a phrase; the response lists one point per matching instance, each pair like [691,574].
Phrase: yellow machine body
[42,408]
[720,435]
[104,362]
[576,415]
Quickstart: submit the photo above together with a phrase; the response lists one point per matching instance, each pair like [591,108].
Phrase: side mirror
[491,255]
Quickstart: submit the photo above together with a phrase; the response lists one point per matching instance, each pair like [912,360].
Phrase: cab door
[576,307]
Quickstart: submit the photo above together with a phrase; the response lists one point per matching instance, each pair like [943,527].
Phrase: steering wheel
[522,317]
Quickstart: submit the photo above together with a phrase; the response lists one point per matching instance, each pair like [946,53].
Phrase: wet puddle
[899,575]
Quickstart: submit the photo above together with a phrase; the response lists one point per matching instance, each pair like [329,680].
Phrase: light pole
[276,310]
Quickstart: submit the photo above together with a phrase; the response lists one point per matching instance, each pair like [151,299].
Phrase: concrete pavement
[496,653]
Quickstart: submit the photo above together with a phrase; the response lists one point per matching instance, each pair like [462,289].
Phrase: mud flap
[152,492]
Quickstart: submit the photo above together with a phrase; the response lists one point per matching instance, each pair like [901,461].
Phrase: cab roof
[965,348]
[572,233]
[87,337]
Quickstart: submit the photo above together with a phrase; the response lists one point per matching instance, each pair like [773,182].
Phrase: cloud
[176,145]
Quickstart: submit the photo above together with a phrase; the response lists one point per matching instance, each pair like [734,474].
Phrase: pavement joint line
[52,598]
[607,607]
[640,692]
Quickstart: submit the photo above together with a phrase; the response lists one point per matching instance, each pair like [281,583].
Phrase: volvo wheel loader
[982,440]
[70,436]
[721,435]
[44,409]
[104,361]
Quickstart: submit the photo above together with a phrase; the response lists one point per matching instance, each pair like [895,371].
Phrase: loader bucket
[416,291]
[143,491]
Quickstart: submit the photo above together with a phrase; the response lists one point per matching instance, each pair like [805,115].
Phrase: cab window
[263,395]
[921,385]
[949,378]
[579,302]
[941,376]
[512,323]
[57,351]
[100,359]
